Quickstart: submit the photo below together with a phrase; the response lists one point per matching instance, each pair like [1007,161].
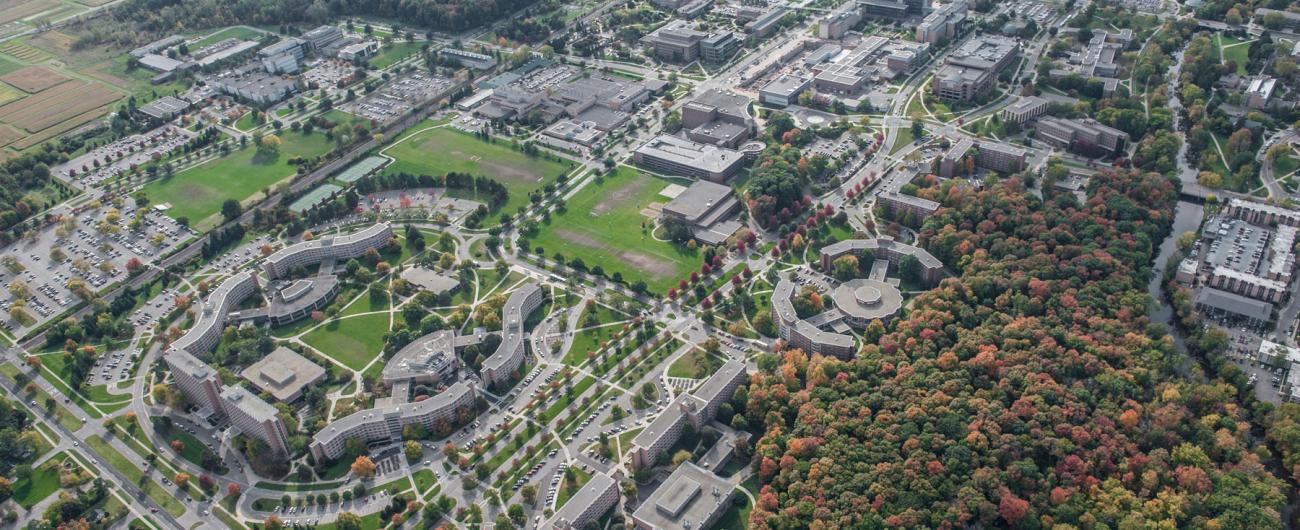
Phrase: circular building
[863,300]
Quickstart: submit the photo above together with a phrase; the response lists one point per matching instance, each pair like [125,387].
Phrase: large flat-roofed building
[942,23]
[505,361]
[196,380]
[427,360]
[256,418]
[707,207]
[692,497]
[679,42]
[288,45]
[1259,91]
[1245,284]
[292,302]
[211,317]
[164,108]
[323,37]
[157,46]
[766,23]
[973,68]
[893,9]
[998,156]
[695,408]
[677,156]
[585,507]
[584,133]
[888,249]
[1083,136]
[897,205]
[717,117]
[784,90]
[327,248]
[438,414]
[1024,109]
[284,374]
[253,84]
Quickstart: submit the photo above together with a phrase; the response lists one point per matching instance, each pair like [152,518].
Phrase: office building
[256,418]
[973,68]
[323,38]
[584,133]
[164,108]
[1087,137]
[334,248]
[1259,91]
[291,46]
[801,334]
[280,64]
[360,50]
[679,42]
[585,507]
[692,497]
[284,374]
[894,9]
[253,84]
[943,23]
[784,90]
[718,118]
[504,363]
[677,156]
[1000,157]
[835,25]
[1024,109]
[766,23]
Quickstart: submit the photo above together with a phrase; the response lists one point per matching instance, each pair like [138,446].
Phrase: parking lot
[106,162]
[89,256]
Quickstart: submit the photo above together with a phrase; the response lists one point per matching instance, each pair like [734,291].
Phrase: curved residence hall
[326,249]
[507,358]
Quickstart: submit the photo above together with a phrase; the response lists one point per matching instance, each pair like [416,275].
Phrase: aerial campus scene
[653,264]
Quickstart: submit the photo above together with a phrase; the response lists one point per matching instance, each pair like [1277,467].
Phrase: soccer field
[605,224]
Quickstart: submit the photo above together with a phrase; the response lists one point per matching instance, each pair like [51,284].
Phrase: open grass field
[1232,49]
[394,52]
[604,225]
[115,458]
[435,151]
[198,192]
[233,32]
[696,364]
[43,482]
[351,341]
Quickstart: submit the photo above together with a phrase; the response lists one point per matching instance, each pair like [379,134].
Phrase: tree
[845,267]
[363,467]
[680,457]
[348,521]
[917,129]
[269,143]
[231,209]
[414,451]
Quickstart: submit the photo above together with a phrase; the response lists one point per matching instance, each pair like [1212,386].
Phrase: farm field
[604,225]
[435,151]
[197,193]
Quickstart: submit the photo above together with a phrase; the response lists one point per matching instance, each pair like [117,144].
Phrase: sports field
[605,225]
[198,192]
[427,150]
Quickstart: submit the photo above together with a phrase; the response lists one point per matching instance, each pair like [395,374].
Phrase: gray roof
[189,364]
[717,382]
[345,425]
[425,355]
[164,106]
[248,403]
[725,102]
[698,199]
[710,158]
[581,501]
[283,373]
[512,327]
[689,497]
[786,85]
[1235,303]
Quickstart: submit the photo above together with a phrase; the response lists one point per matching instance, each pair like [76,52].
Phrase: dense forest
[139,19]
[1029,392]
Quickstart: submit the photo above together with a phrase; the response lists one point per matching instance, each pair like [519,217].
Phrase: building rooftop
[345,425]
[866,299]
[1026,103]
[698,200]
[690,497]
[710,158]
[725,102]
[164,107]
[1235,303]
[283,373]
[717,382]
[247,402]
[598,485]
[427,355]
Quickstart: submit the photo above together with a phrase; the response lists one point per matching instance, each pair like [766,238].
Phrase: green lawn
[590,339]
[1238,54]
[394,52]
[193,449]
[1284,165]
[425,151]
[233,32]
[198,192]
[604,226]
[737,516]
[351,341]
[902,139]
[696,364]
[64,416]
[43,482]
[567,489]
[564,400]
[424,479]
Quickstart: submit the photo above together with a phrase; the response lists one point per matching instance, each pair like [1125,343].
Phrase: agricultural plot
[11,10]
[34,79]
[609,224]
[433,150]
